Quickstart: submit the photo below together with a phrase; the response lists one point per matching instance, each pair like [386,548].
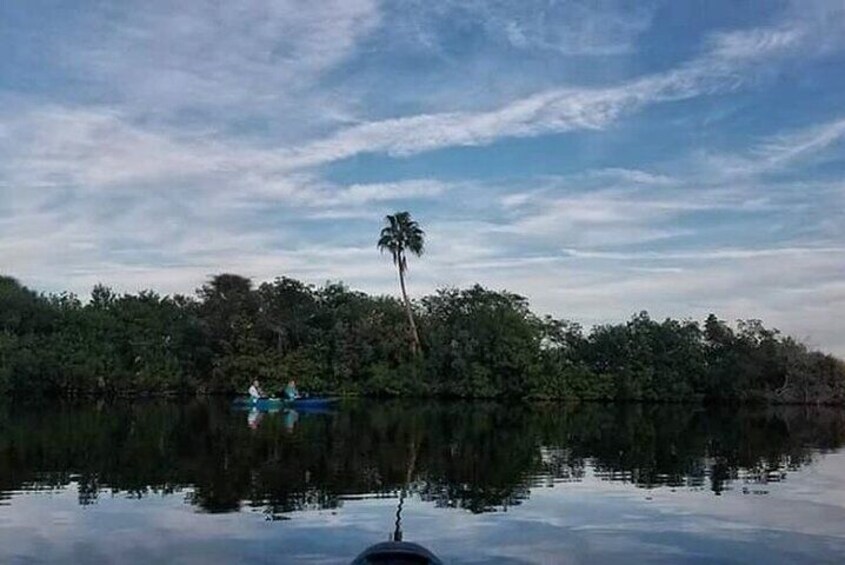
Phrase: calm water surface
[204,483]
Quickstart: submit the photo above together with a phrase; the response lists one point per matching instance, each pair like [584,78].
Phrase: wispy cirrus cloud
[703,255]
[89,151]
[778,152]
[721,68]
[218,67]
[609,207]
[567,27]
[754,43]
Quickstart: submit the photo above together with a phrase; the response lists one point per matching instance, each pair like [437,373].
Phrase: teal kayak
[278,403]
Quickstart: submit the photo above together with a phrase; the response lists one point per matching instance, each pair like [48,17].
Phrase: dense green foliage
[475,343]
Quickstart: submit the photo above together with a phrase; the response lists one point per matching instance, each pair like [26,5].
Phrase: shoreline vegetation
[473,343]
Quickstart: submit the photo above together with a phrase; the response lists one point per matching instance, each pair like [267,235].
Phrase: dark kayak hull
[315,403]
[397,553]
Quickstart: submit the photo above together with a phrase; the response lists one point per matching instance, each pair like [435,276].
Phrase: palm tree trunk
[415,337]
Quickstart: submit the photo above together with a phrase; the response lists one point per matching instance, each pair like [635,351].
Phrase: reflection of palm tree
[397,532]
[400,234]
[396,550]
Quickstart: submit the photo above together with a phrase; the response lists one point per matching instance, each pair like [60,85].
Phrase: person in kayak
[255,391]
[290,391]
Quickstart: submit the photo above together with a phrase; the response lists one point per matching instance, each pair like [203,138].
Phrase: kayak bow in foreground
[397,553]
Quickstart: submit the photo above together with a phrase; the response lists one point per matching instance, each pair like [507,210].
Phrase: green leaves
[401,234]
[478,343]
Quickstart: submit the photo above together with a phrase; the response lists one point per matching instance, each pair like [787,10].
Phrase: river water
[202,482]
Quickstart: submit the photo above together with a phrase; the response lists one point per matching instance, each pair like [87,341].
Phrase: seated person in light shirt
[255,391]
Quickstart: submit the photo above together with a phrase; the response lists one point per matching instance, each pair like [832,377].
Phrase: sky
[599,157]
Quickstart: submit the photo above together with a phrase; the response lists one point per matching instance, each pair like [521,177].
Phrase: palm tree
[400,234]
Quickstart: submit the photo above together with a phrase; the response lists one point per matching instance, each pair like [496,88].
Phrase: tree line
[472,342]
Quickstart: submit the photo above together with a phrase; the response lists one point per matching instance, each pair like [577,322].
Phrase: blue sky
[599,157]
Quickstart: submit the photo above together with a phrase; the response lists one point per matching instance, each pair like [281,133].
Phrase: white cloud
[567,27]
[57,146]
[594,219]
[751,44]
[633,176]
[777,152]
[786,148]
[90,151]
[563,27]
[221,65]
[703,255]
[98,146]
[555,111]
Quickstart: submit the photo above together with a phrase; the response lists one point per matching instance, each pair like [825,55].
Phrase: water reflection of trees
[479,457]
